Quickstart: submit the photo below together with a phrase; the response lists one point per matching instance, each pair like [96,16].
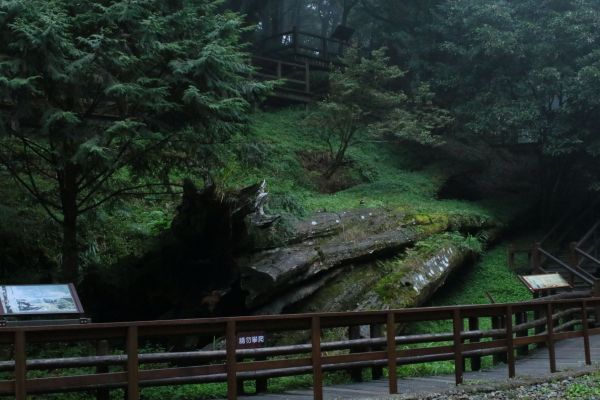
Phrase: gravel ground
[583,385]
[548,390]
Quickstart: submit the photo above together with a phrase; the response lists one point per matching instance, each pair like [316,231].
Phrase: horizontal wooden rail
[581,274]
[233,364]
[588,234]
[278,61]
[588,256]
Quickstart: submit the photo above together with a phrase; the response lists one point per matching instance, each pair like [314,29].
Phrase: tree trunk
[347,8]
[338,160]
[70,249]
[275,16]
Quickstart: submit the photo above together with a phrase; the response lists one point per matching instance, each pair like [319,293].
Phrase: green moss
[390,288]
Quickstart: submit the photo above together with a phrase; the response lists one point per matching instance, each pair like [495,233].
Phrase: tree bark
[337,161]
[347,7]
[70,249]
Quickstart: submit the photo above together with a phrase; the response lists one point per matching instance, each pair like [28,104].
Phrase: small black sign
[251,340]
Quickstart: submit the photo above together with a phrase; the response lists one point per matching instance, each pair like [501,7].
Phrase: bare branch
[111,171]
[41,199]
[128,191]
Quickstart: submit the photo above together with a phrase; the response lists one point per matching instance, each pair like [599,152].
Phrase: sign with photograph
[39,299]
[536,283]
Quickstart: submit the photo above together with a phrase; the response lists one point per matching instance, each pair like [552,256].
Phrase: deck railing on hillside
[294,78]
[512,330]
[320,51]
[575,268]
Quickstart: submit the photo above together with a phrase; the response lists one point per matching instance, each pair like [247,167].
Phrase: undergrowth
[391,175]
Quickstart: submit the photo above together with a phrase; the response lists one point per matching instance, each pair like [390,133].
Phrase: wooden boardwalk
[569,357]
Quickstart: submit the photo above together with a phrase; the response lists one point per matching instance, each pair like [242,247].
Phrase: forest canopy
[108,99]
[102,100]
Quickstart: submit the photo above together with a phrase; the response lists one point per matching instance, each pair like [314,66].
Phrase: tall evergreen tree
[104,98]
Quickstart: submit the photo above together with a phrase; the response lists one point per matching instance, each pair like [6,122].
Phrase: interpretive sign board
[536,283]
[24,300]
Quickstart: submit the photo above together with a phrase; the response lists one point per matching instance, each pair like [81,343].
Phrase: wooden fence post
[510,349]
[356,372]
[391,352]
[230,347]
[20,366]
[573,260]
[521,318]
[550,339]
[511,256]
[133,385]
[102,350]
[295,39]
[316,358]
[538,314]
[536,260]
[475,360]
[498,322]
[261,384]
[457,324]
[495,325]
[596,293]
[586,334]
[375,331]
[307,77]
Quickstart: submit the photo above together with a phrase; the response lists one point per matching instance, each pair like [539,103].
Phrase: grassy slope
[392,176]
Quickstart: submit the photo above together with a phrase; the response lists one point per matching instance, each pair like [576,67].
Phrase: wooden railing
[512,326]
[294,77]
[315,48]
[575,267]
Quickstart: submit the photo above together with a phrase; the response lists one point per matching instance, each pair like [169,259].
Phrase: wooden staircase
[574,254]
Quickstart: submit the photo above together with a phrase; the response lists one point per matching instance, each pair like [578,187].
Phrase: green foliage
[109,98]
[362,103]
[524,72]
[396,177]
[584,388]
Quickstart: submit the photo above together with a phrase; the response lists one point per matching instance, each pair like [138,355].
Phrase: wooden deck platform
[569,357]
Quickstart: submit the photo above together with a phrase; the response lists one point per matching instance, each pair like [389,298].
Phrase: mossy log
[224,255]
[358,288]
[276,278]
[270,273]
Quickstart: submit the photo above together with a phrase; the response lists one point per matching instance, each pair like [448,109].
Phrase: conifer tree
[363,101]
[104,98]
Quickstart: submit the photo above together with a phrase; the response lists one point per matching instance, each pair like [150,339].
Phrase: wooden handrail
[583,275]
[230,365]
[301,33]
[588,256]
[282,62]
[588,234]
[568,216]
